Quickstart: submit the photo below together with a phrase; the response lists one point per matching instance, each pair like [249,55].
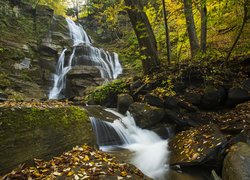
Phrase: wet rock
[106,135]
[83,72]
[175,175]
[100,113]
[123,102]
[213,97]
[237,162]
[184,119]
[201,145]
[78,86]
[34,132]
[193,97]
[146,115]
[237,95]
[165,131]
[153,100]
[170,102]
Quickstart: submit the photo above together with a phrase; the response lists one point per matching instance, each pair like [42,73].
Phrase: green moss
[113,88]
[61,116]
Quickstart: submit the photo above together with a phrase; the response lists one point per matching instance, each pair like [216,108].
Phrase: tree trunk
[168,44]
[203,26]
[240,31]
[77,9]
[144,34]
[193,40]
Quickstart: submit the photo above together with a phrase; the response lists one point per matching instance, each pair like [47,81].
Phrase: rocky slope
[31,40]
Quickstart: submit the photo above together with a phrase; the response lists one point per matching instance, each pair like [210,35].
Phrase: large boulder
[30,130]
[237,163]
[236,120]
[145,115]
[197,146]
[171,102]
[237,95]
[81,77]
[180,119]
[153,100]
[123,102]
[213,97]
[193,97]
[99,112]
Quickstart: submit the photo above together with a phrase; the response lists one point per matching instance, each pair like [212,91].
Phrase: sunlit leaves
[79,163]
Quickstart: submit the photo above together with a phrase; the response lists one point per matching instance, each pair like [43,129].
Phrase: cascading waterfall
[77,34]
[150,151]
[108,65]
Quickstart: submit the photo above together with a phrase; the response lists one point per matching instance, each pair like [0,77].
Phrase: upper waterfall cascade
[150,152]
[107,63]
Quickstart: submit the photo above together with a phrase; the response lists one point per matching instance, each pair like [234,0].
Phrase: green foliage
[59,6]
[165,89]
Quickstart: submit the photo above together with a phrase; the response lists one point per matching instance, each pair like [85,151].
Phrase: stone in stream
[100,113]
[202,145]
[28,131]
[237,163]
[123,102]
[145,115]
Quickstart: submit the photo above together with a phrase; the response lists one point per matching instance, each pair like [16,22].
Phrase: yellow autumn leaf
[36,174]
[86,158]
[105,159]
[123,173]
[70,173]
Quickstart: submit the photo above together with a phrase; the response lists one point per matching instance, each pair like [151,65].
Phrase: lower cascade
[150,152]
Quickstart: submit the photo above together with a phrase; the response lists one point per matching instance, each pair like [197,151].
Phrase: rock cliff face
[31,41]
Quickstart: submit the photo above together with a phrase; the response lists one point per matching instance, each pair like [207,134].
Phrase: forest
[125,89]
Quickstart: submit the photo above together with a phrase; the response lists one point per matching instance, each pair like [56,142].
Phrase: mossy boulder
[237,162]
[34,132]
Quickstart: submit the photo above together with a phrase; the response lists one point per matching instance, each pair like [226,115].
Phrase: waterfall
[149,150]
[108,65]
[77,33]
